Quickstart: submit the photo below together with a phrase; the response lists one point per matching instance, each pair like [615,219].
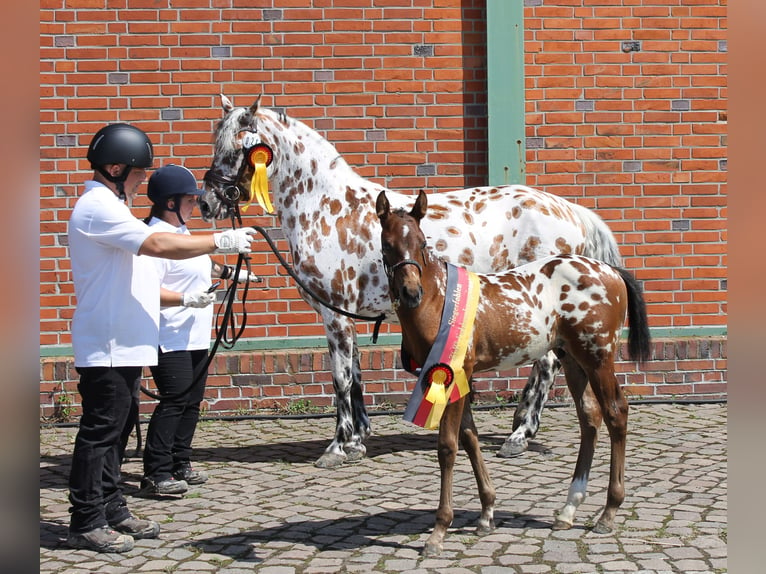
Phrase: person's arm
[196,299]
[170,298]
[181,246]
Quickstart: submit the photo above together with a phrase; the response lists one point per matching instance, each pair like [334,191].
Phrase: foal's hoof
[602,528]
[330,460]
[561,525]
[513,448]
[484,529]
[431,550]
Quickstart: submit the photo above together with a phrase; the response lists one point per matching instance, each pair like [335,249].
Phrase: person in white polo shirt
[186,320]
[115,327]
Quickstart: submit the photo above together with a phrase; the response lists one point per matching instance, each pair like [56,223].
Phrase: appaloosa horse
[569,304]
[327,214]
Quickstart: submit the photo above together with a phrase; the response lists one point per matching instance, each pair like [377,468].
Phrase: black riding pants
[171,428]
[108,397]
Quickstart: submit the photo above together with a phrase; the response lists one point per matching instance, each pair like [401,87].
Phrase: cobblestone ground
[266,507]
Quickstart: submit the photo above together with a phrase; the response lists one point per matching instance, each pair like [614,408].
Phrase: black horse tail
[639,339]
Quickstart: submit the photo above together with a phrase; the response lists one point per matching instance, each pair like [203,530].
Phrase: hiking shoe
[169,486]
[138,528]
[103,539]
[190,476]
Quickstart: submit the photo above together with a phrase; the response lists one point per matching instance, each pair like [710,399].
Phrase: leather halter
[227,189]
[391,269]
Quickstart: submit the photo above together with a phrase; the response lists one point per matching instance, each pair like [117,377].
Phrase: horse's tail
[600,243]
[639,339]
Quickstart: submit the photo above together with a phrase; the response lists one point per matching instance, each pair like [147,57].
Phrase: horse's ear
[382,207]
[421,204]
[226,104]
[254,107]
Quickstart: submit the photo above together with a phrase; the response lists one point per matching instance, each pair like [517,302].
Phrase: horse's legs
[346,379]
[614,407]
[355,449]
[447,451]
[469,438]
[526,419]
[589,416]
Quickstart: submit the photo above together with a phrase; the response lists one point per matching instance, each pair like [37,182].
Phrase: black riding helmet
[171,182]
[120,143]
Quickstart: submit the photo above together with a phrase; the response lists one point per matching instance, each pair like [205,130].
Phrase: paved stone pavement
[267,509]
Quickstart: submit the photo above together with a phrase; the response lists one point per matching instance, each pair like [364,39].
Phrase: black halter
[391,269]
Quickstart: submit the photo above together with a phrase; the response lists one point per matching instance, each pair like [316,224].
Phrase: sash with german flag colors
[442,379]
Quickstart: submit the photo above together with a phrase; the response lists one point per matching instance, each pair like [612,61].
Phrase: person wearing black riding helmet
[186,320]
[115,327]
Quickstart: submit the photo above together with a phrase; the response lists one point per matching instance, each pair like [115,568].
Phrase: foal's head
[404,249]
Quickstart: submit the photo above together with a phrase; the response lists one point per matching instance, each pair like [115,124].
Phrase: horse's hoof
[602,528]
[511,449]
[431,550]
[354,457]
[561,525]
[355,454]
[330,460]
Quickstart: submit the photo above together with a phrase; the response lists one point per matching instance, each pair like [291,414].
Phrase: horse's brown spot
[454,231]
[437,212]
[516,212]
[466,258]
[528,251]
[468,218]
[563,246]
[549,268]
[440,245]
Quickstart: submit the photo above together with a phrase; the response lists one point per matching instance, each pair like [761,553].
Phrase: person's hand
[233,240]
[244,276]
[198,299]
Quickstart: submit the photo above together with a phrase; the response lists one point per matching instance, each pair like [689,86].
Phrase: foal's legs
[526,419]
[447,451]
[614,407]
[469,438]
[589,416]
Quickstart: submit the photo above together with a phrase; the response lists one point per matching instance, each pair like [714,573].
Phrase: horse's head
[404,249]
[239,168]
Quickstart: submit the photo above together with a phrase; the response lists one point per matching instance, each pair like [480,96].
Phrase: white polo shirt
[183,328]
[116,322]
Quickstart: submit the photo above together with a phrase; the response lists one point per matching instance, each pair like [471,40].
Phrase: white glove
[198,299]
[234,240]
[244,276]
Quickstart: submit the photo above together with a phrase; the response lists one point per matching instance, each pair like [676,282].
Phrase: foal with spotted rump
[568,304]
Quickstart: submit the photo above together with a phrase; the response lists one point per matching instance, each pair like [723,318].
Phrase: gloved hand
[198,299]
[243,276]
[234,240]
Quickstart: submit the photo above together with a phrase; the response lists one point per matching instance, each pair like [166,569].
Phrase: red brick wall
[625,113]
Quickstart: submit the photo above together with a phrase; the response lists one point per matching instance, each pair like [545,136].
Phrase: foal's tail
[639,339]
[600,243]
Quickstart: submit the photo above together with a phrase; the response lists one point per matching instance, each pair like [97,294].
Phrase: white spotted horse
[327,214]
[569,304]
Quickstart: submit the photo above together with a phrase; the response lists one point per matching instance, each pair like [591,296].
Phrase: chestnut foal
[570,304]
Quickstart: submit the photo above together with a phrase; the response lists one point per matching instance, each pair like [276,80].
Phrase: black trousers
[108,398]
[174,420]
